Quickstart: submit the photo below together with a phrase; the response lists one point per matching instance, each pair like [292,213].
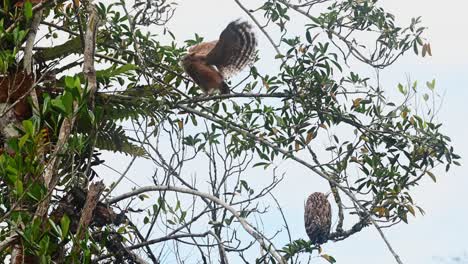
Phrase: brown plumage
[317,218]
[209,64]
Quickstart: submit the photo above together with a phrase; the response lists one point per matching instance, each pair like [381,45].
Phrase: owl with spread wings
[209,64]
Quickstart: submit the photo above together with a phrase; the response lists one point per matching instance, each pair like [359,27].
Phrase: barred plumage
[317,218]
[210,63]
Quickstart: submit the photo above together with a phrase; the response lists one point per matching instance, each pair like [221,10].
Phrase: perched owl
[209,64]
[317,218]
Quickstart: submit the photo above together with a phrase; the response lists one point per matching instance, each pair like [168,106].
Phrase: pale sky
[443,230]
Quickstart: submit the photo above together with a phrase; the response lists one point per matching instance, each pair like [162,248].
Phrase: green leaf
[143,197]
[55,228]
[19,186]
[168,78]
[65,225]
[77,83]
[70,81]
[45,104]
[115,71]
[279,56]
[431,85]
[328,258]
[23,140]
[182,216]
[112,137]
[92,118]
[57,102]
[402,89]
[35,192]
[28,127]
[28,13]
[67,101]
[415,48]
[44,245]
[308,37]
[77,90]
[425,97]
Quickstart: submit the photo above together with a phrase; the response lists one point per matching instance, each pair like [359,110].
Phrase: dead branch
[92,198]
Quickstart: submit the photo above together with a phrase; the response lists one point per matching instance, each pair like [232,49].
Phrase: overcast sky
[443,230]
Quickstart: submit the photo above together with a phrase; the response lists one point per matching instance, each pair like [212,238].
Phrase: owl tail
[224,88]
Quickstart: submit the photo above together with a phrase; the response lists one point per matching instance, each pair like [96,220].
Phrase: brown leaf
[404,114]
[424,50]
[433,177]
[381,211]
[267,86]
[329,258]
[411,210]
[297,146]
[357,102]
[309,138]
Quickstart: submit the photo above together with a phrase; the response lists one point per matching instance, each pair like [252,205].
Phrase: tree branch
[7,241]
[50,176]
[92,199]
[246,225]
[325,176]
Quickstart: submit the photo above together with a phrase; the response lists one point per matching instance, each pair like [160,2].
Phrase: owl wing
[234,49]
[203,48]
[317,218]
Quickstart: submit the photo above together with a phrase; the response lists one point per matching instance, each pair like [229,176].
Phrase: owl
[209,64]
[317,218]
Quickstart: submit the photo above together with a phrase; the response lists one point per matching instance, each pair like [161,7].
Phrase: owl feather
[209,64]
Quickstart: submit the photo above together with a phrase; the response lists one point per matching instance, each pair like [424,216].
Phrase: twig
[222,252]
[240,95]
[153,241]
[282,216]
[7,241]
[278,52]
